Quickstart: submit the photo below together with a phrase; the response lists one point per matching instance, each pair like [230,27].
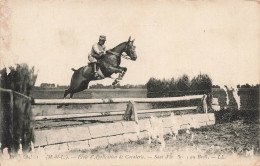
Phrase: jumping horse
[106,66]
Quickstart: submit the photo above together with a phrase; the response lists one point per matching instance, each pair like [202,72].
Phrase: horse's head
[130,49]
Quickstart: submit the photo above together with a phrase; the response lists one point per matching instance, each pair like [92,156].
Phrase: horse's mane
[118,45]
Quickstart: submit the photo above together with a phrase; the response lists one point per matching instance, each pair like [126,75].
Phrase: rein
[114,53]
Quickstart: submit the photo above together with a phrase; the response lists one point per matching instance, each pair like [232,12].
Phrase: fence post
[134,112]
[12,122]
[204,102]
[131,110]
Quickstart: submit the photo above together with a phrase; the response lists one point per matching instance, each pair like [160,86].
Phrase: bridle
[125,52]
[126,47]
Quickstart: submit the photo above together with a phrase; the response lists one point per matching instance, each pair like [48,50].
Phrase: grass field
[210,142]
[90,93]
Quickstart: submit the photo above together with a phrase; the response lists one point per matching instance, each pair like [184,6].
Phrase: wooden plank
[16,93]
[112,100]
[5,90]
[99,114]
[22,95]
[69,116]
[166,110]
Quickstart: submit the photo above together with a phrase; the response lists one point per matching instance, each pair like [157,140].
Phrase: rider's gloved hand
[102,53]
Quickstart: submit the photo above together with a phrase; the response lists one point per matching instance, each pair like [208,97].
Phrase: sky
[172,38]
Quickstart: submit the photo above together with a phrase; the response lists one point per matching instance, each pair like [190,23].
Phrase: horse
[106,66]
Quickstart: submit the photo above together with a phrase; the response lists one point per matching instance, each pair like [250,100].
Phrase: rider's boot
[95,71]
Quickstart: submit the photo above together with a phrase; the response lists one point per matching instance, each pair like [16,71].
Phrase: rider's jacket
[97,49]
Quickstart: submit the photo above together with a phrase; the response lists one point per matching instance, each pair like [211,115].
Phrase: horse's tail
[73,69]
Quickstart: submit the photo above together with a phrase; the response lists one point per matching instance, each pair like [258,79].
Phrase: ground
[216,141]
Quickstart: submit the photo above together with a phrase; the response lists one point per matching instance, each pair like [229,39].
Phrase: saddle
[98,64]
[99,59]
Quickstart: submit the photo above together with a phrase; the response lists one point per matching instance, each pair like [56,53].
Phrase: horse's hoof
[115,82]
[59,106]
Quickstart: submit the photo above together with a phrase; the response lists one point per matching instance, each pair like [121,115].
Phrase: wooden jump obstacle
[53,141]
[102,135]
[100,114]
[109,101]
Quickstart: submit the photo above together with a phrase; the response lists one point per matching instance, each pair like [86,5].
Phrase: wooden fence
[41,136]
[111,101]
[15,120]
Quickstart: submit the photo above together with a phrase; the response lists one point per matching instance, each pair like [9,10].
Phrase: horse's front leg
[123,68]
[117,70]
[121,75]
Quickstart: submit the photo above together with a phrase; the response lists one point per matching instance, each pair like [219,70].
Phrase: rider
[97,51]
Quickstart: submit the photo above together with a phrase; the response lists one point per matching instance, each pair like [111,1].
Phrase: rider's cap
[102,37]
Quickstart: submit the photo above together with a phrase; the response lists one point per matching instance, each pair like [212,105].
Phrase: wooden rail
[112,100]
[100,114]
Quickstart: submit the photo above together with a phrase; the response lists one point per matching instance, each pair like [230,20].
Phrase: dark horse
[107,65]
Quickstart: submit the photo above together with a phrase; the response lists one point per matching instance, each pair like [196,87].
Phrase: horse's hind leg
[59,106]
[71,95]
[67,91]
[81,87]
